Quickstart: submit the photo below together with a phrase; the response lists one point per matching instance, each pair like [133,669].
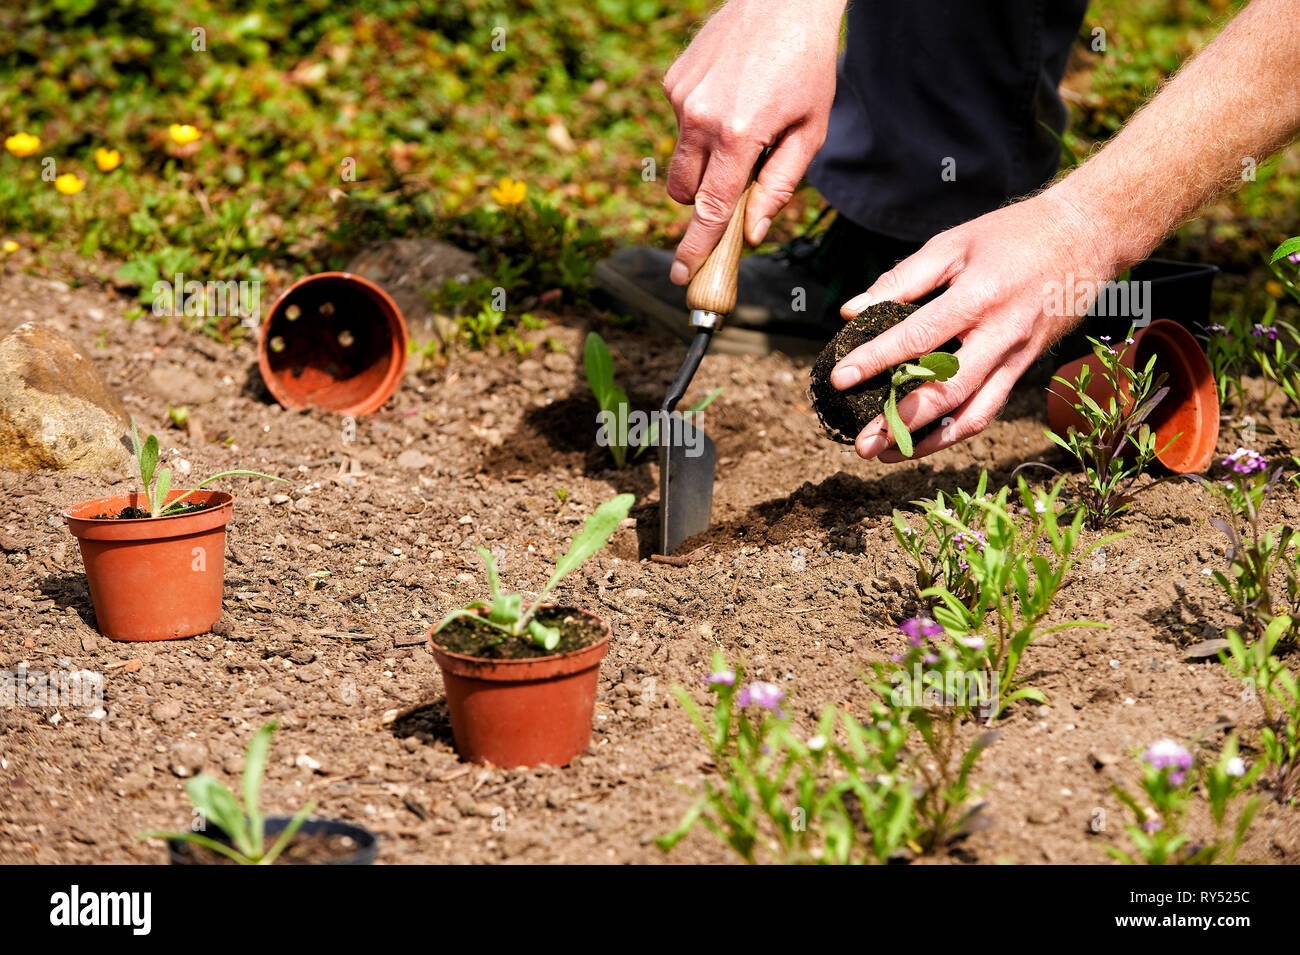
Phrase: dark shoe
[788,300]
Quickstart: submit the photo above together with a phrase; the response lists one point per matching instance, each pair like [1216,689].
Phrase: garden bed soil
[473,637]
[332,585]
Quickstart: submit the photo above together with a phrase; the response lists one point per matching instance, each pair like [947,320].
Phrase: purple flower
[1152,825]
[720,678]
[973,642]
[766,695]
[930,658]
[1267,331]
[1294,258]
[1244,461]
[1105,338]
[918,627]
[1169,754]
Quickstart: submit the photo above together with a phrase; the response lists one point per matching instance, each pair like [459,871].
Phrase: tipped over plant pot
[155,559]
[521,681]
[335,341]
[235,834]
[1185,421]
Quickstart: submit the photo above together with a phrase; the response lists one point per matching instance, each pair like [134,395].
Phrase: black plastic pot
[1180,292]
[367,842]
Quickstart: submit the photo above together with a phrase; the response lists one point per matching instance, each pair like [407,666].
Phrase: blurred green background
[288,95]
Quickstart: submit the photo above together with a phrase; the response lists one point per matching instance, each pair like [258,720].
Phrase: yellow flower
[1273,288]
[509,192]
[23,144]
[69,185]
[9,246]
[107,159]
[183,135]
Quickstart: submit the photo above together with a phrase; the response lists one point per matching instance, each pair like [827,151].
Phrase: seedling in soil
[845,414]
[1013,585]
[1170,777]
[1116,445]
[506,612]
[622,434]
[155,493]
[1254,550]
[242,824]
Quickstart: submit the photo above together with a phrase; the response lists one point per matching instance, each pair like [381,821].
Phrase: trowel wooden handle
[714,287]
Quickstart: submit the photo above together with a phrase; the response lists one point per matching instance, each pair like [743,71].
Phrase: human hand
[760,73]
[1008,274]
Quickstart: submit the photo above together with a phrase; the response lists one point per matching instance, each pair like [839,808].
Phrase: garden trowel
[687,456]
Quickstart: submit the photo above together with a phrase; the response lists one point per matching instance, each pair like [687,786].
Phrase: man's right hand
[760,73]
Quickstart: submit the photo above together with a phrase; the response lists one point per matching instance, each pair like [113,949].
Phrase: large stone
[56,411]
[408,269]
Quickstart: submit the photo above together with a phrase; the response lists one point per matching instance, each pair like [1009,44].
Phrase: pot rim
[525,661]
[364,853]
[69,516]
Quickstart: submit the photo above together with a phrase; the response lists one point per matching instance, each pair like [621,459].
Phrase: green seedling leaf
[160,490]
[289,832]
[1286,248]
[600,367]
[942,364]
[548,638]
[494,587]
[148,461]
[594,535]
[902,437]
[254,766]
[218,805]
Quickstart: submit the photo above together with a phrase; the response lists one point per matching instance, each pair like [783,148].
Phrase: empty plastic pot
[334,341]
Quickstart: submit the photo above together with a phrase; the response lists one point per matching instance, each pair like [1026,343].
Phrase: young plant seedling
[242,824]
[936,366]
[506,612]
[155,493]
[615,407]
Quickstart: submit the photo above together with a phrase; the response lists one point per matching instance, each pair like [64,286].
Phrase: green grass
[290,94]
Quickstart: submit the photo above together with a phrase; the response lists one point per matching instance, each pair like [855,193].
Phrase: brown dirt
[331,588]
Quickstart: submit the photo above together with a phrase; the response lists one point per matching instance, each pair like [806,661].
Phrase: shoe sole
[729,340]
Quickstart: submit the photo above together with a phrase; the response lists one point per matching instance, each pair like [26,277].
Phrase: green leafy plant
[1013,584]
[618,431]
[780,799]
[1274,686]
[934,547]
[242,825]
[851,793]
[1116,446]
[936,366]
[155,492]
[1170,778]
[506,612]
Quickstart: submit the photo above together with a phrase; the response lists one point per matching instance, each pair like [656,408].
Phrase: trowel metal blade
[688,461]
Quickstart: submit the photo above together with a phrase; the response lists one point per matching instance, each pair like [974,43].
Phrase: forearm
[1237,99]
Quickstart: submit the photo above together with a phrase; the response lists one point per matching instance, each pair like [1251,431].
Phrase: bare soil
[332,584]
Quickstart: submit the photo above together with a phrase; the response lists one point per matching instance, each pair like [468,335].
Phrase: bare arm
[1238,98]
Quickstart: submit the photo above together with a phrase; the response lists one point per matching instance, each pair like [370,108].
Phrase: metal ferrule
[702,318]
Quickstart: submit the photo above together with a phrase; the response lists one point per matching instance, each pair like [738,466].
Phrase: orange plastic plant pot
[334,341]
[522,712]
[1190,411]
[153,578]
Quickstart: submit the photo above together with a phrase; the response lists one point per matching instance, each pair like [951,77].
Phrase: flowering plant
[851,801]
[1255,550]
[1116,444]
[1013,584]
[1272,683]
[1170,777]
[936,549]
